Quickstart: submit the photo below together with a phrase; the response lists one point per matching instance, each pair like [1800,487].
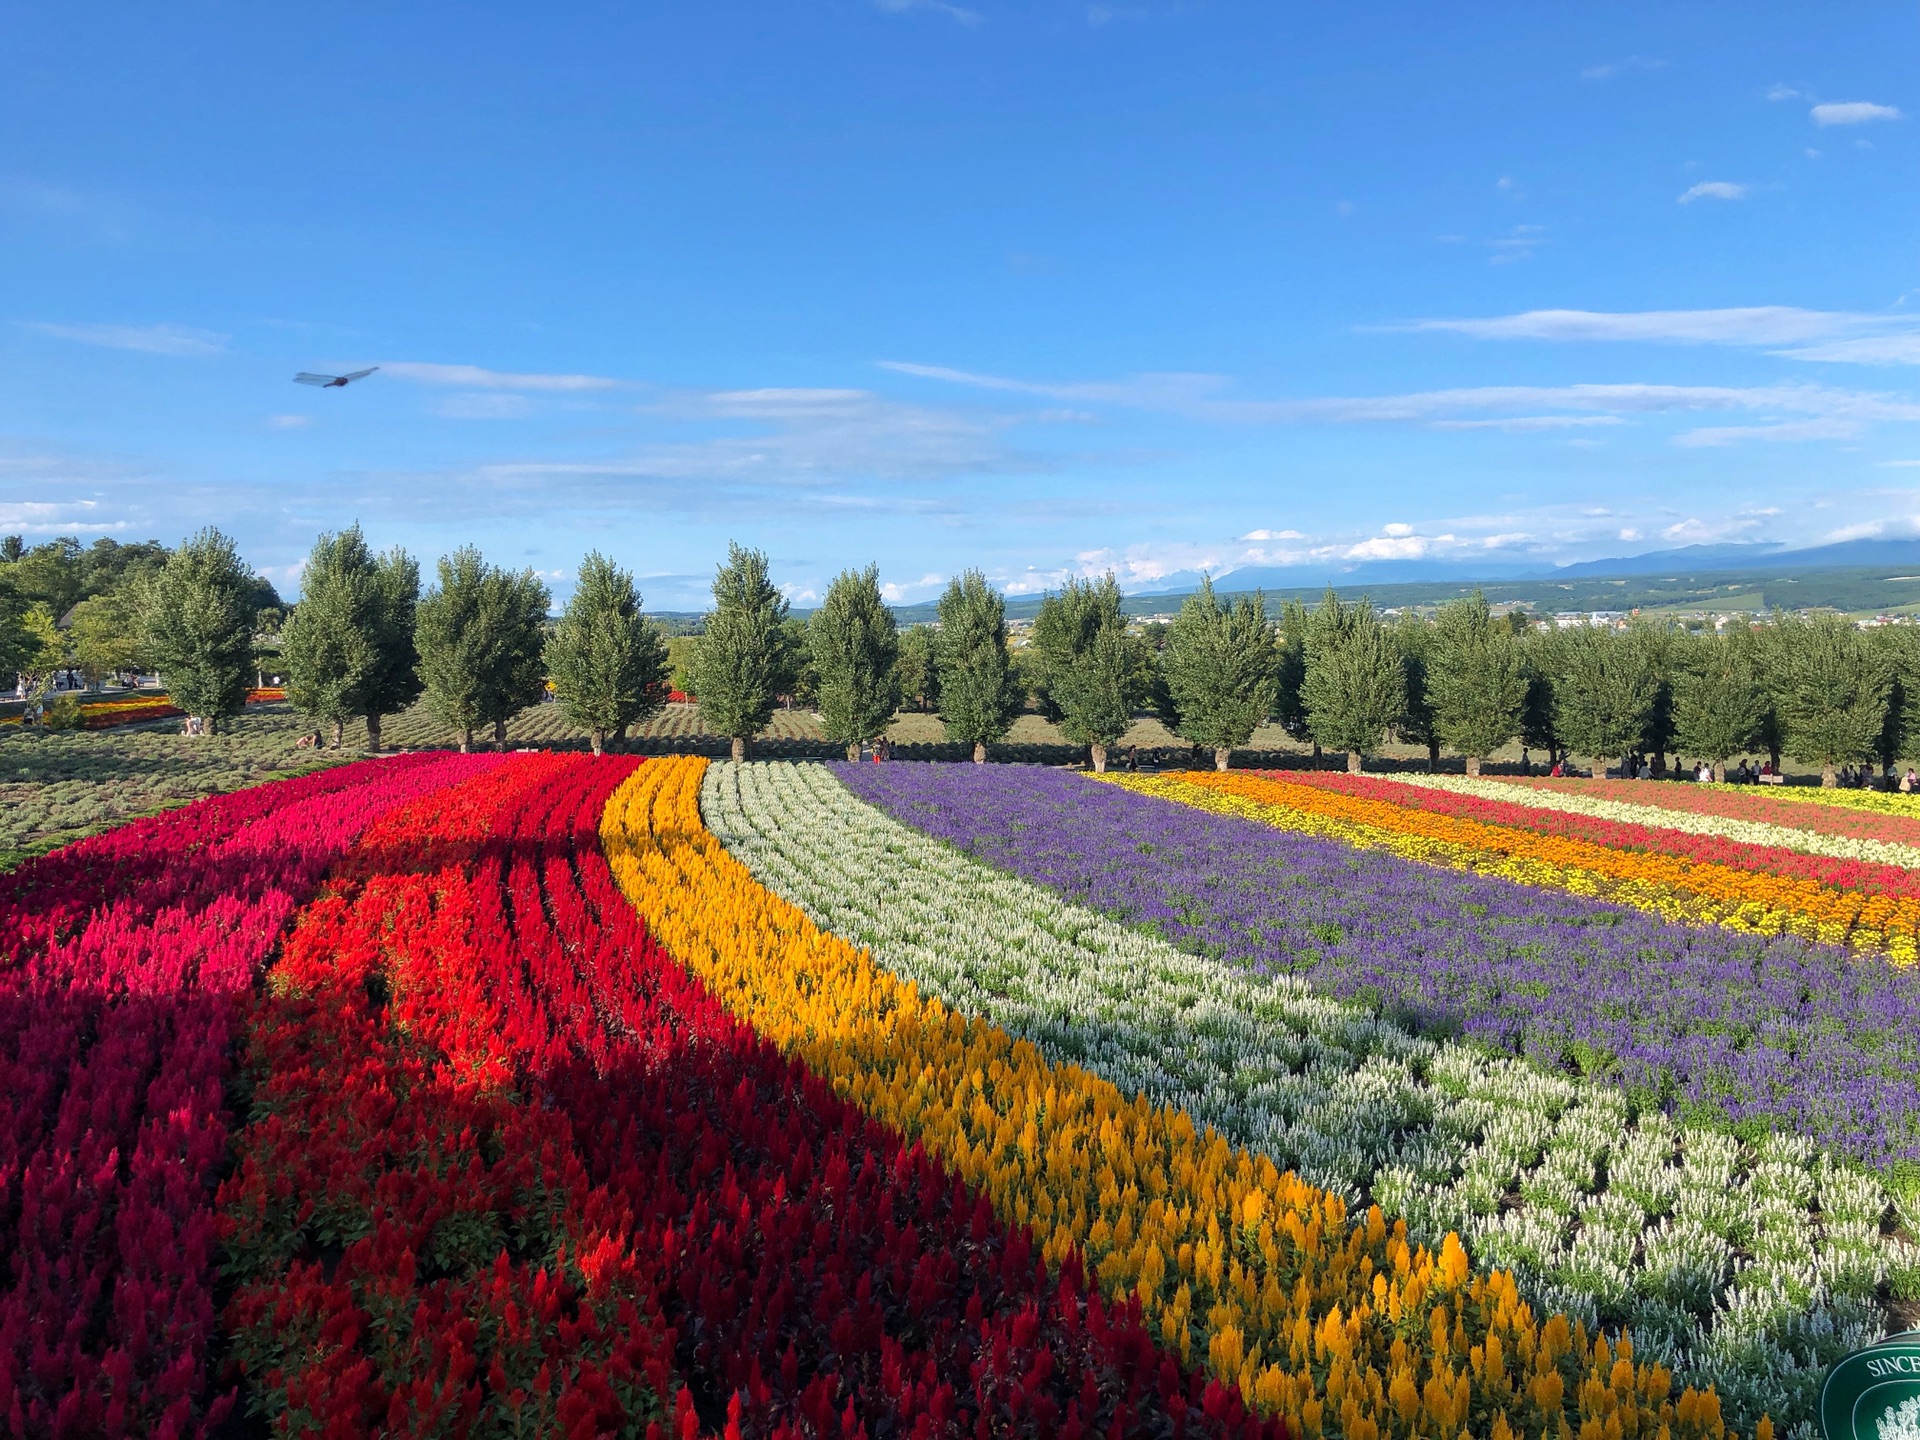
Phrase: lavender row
[1706,1024]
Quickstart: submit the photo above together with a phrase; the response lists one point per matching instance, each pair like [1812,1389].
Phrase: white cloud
[1737,325]
[49,517]
[1901,464]
[1273,535]
[1615,68]
[476,378]
[1783,92]
[905,592]
[1852,112]
[1870,350]
[1172,390]
[1835,428]
[1399,530]
[1713,190]
[956,13]
[149,339]
[289,422]
[1523,424]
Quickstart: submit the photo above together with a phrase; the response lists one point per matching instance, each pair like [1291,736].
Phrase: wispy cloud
[484,405]
[289,422]
[1852,112]
[1741,325]
[1165,390]
[1614,68]
[151,339]
[475,377]
[64,517]
[1521,424]
[957,13]
[1871,350]
[1713,190]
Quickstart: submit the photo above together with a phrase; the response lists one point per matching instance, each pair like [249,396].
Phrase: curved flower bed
[1369,1334]
[1511,1159]
[1738,1030]
[1631,828]
[123,967]
[1667,885]
[1863,813]
[554,1175]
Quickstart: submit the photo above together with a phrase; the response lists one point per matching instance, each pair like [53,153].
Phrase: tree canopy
[1476,677]
[195,616]
[607,662]
[1093,673]
[1830,688]
[480,635]
[1219,666]
[855,647]
[1355,685]
[744,660]
[979,692]
[1603,693]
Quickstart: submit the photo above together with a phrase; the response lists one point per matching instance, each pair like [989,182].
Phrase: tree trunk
[1316,754]
[1099,759]
[597,738]
[466,738]
[1433,756]
[739,748]
[373,734]
[853,750]
[1828,780]
[1221,755]
[339,733]
[500,734]
[1353,762]
[1719,772]
[979,752]
[1473,767]
[1773,754]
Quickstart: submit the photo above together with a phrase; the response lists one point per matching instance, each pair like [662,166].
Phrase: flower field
[551,1095]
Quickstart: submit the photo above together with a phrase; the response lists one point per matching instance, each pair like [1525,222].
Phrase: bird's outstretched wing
[361,374]
[307,377]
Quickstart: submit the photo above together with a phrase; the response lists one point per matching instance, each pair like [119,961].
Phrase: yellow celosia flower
[1335,1320]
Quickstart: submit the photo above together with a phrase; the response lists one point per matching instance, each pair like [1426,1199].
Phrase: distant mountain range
[1772,559]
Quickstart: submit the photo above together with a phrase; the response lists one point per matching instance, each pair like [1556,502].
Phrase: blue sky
[1044,288]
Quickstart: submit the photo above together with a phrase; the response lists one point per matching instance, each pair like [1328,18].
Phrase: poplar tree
[15,643]
[744,660]
[916,673]
[1219,666]
[855,646]
[195,620]
[1603,694]
[480,635]
[607,662]
[1093,672]
[1717,701]
[1290,672]
[1355,685]
[101,628]
[348,647]
[327,644]
[1830,691]
[979,693]
[1476,677]
[1416,723]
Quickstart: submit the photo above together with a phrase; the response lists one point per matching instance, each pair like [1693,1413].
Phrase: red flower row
[121,962]
[480,1083]
[1869,877]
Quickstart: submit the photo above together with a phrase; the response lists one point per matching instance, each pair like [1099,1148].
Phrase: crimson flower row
[475,1066]
[123,960]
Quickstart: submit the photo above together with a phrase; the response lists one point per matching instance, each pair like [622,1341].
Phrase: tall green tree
[54,574]
[15,644]
[1603,693]
[979,692]
[855,645]
[803,676]
[1830,690]
[44,652]
[195,619]
[1476,678]
[1290,672]
[1717,700]
[1094,673]
[1539,661]
[607,661]
[480,634]
[1219,665]
[1658,647]
[349,645]
[102,633]
[916,673]
[745,659]
[1355,685]
[1416,724]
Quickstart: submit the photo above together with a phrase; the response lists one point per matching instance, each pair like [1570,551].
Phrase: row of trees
[365,642]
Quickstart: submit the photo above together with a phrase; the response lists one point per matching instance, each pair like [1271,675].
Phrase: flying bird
[332,382]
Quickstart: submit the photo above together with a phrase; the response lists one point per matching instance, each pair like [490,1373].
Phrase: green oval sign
[1874,1394]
